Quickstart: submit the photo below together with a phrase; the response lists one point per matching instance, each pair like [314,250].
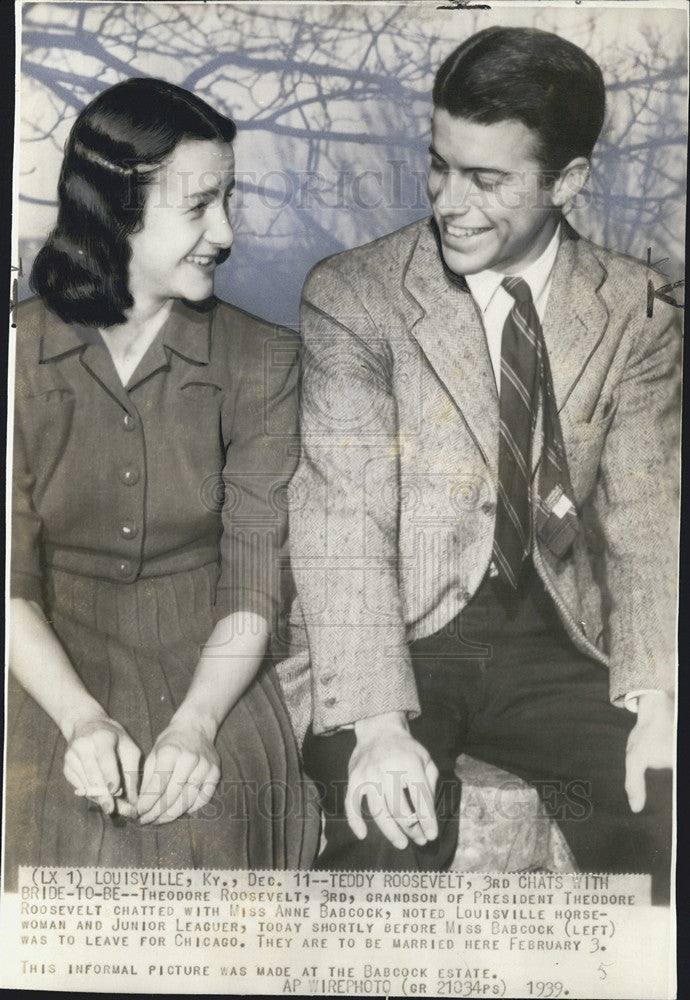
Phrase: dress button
[329,702]
[489,509]
[124,568]
[130,477]
[128,530]
[129,423]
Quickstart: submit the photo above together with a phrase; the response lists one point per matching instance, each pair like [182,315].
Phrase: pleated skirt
[136,647]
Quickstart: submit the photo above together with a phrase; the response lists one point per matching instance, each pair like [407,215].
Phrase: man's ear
[570,182]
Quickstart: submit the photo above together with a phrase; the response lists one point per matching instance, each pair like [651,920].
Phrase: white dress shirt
[495,302]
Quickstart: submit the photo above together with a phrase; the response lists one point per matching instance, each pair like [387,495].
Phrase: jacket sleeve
[637,506]
[262,449]
[344,511]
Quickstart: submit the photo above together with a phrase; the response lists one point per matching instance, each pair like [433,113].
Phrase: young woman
[154,434]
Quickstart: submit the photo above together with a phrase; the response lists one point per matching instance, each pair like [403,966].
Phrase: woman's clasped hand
[179,775]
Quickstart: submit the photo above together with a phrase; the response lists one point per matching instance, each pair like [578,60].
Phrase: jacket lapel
[446,324]
[576,314]
[575,321]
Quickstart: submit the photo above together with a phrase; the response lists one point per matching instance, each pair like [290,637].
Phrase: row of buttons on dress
[129,477]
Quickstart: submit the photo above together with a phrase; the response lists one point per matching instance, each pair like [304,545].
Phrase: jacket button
[130,477]
[327,679]
[489,509]
[128,422]
[128,530]
[464,596]
[124,569]
[329,702]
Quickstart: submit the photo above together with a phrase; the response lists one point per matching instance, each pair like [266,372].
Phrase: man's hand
[650,744]
[397,777]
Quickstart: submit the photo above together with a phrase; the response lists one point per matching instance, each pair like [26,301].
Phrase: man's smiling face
[488,193]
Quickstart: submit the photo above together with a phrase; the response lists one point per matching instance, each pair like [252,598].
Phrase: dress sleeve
[25,572]
[261,456]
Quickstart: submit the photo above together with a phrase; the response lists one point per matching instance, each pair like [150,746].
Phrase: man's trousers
[503,683]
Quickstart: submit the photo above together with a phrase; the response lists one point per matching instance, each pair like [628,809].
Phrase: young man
[484,524]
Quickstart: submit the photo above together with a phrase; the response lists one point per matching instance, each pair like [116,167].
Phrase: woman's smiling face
[185,225]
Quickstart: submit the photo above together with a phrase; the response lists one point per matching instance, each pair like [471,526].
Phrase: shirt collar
[186,331]
[59,338]
[483,284]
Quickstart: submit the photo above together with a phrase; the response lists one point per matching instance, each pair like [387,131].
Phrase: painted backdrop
[333,102]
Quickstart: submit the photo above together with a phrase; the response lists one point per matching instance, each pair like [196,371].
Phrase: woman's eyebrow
[201,192]
[212,189]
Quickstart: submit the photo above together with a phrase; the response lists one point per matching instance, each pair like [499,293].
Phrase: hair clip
[101,161]
[116,168]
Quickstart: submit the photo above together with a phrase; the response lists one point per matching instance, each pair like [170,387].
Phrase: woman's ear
[570,182]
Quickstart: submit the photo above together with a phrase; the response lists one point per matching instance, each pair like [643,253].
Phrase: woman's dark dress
[123,501]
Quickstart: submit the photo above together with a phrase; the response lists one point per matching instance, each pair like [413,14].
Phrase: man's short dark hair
[111,154]
[528,75]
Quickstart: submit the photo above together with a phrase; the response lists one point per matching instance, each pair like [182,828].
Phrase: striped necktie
[525,376]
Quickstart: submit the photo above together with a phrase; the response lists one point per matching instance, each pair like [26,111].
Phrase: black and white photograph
[344,444]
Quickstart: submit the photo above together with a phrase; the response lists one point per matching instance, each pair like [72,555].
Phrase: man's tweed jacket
[393,504]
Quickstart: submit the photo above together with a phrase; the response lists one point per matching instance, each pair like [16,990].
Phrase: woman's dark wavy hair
[550,85]
[111,154]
